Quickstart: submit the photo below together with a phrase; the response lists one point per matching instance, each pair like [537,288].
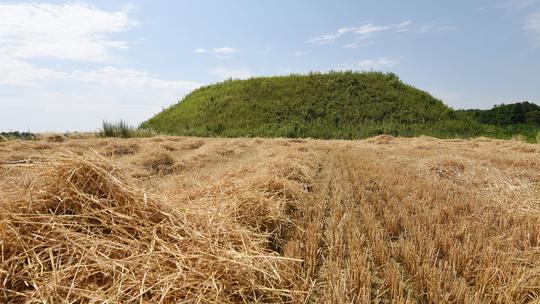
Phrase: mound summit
[343,105]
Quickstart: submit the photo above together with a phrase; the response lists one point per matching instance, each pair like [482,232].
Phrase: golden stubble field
[179,219]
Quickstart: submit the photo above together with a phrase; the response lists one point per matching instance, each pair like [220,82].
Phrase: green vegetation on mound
[343,105]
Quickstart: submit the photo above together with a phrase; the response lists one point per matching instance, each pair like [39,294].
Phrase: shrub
[122,129]
[5,136]
[116,129]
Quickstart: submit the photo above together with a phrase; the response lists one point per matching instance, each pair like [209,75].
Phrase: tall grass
[116,129]
[122,129]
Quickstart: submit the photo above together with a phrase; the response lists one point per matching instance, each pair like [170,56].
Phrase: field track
[383,220]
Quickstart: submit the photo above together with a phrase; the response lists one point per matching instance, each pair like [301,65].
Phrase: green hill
[334,105]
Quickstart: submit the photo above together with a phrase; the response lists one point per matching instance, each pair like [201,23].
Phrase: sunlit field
[181,219]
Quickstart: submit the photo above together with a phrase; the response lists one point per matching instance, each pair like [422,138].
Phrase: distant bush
[5,136]
[122,129]
[509,114]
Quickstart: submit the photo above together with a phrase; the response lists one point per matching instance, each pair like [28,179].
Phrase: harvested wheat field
[179,219]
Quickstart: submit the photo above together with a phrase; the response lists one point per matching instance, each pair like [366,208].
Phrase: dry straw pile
[385,220]
[84,233]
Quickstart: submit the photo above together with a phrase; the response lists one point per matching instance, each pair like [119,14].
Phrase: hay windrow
[418,220]
[56,138]
[85,233]
[160,163]
[192,145]
[117,149]
[381,139]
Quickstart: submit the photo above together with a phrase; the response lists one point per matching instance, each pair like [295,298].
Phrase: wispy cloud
[222,52]
[225,51]
[378,63]
[224,73]
[431,28]
[404,24]
[360,31]
[329,38]
[370,29]
[357,45]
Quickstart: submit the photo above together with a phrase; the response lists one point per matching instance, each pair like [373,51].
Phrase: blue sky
[70,65]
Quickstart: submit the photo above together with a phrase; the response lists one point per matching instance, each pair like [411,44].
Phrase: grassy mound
[335,105]
[83,233]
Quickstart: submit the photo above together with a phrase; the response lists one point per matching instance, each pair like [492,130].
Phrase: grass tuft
[123,130]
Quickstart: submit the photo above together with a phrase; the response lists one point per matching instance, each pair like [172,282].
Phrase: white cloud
[224,73]
[81,100]
[532,24]
[357,45]
[130,78]
[50,98]
[404,24]
[69,31]
[323,39]
[225,51]
[431,28]
[379,63]
[362,31]
[222,52]
[20,73]
[327,38]
[17,72]
[370,28]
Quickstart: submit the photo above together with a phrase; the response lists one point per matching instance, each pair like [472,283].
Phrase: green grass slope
[343,105]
